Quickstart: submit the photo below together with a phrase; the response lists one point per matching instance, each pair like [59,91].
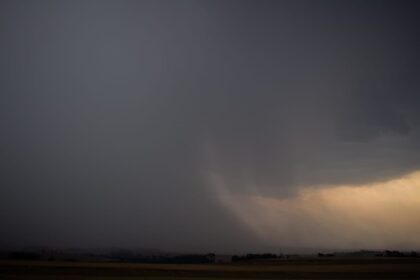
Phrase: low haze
[201,126]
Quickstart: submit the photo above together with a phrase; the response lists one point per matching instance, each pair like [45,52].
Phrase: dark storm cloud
[113,112]
[335,102]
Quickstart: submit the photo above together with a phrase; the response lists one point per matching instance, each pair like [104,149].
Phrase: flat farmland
[315,268]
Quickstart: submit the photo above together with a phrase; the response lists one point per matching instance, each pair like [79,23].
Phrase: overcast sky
[166,124]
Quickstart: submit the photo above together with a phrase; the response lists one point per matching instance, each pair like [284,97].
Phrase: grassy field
[363,268]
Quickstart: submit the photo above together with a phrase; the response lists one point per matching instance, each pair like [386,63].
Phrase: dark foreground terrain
[308,268]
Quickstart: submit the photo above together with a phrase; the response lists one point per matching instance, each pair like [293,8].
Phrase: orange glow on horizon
[372,216]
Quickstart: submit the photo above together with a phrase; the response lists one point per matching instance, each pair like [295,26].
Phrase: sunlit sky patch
[377,215]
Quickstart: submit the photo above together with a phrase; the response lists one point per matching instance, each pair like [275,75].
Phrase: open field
[362,268]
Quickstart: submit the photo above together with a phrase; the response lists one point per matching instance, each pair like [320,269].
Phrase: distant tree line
[24,256]
[129,256]
[388,253]
[250,257]
[325,255]
[167,259]
[367,253]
